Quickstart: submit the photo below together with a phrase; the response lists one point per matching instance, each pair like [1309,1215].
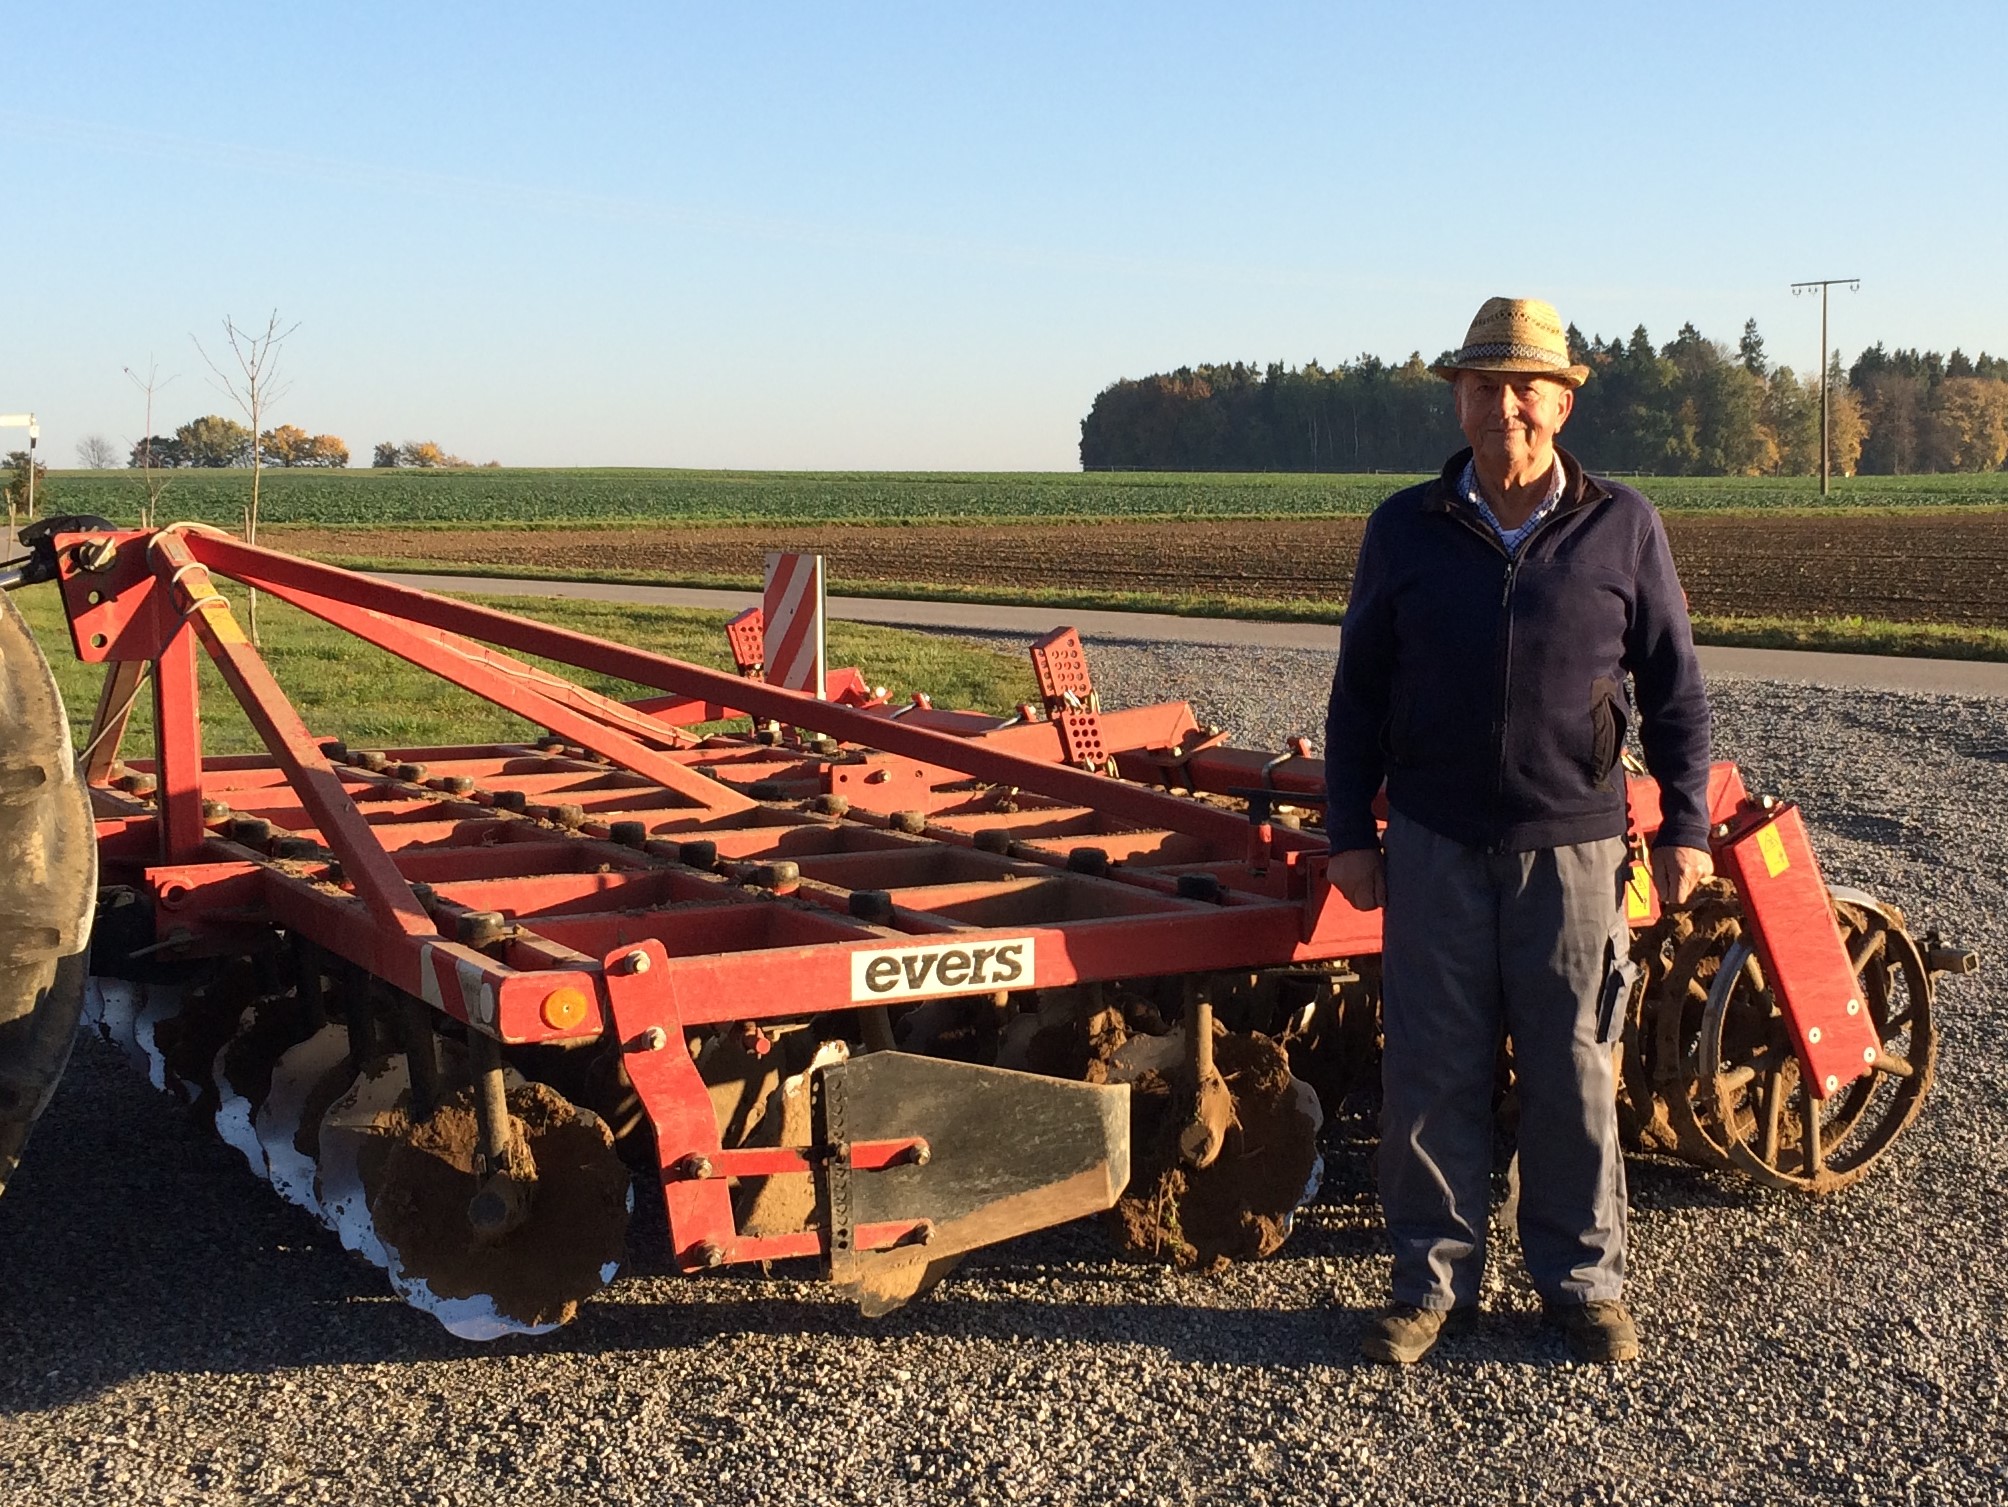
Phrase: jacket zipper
[1505,676]
[1502,672]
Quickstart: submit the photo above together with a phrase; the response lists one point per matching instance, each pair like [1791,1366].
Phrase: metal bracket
[1061,665]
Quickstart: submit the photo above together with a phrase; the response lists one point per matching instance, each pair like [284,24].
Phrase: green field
[538,497]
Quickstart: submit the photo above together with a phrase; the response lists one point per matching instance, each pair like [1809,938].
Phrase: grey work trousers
[1478,944]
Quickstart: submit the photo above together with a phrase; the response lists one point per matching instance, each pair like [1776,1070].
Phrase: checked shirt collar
[1510,539]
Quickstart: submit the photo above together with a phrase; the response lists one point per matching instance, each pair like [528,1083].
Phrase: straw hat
[1521,335]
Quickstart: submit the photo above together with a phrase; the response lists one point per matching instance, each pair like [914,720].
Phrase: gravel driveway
[172,1332]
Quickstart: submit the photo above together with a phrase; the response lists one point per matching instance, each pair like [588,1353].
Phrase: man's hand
[1357,874]
[1676,872]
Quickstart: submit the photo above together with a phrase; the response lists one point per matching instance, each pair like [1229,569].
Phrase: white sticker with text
[941,968]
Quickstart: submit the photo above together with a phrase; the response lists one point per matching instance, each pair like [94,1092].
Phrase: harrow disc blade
[530,1280]
[1242,1206]
[48,886]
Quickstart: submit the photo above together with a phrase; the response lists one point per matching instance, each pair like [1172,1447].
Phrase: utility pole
[1826,447]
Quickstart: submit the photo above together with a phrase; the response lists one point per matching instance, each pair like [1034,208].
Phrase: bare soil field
[1903,567]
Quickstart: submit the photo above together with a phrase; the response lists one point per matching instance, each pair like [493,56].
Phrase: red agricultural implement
[868,983]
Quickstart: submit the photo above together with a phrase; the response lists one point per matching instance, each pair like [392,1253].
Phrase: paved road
[1862,671]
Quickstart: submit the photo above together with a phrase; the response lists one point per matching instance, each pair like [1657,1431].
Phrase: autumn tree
[1894,403]
[384,456]
[214,441]
[1791,413]
[1847,425]
[1967,427]
[285,445]
[326,450]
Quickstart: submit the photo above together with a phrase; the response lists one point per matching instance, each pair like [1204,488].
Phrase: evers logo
[941,968]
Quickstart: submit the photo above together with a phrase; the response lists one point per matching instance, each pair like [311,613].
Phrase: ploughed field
[1938,566]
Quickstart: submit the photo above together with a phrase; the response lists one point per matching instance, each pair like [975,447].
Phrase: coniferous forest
[1691,407]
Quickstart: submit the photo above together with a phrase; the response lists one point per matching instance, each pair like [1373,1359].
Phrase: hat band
[1510,350]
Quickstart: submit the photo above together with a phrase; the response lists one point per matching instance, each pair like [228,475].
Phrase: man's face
[1511,420]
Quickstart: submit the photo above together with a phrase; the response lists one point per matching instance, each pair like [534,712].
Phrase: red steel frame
[974,841]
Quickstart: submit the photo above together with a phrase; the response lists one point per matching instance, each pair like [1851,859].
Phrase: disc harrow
[868,984]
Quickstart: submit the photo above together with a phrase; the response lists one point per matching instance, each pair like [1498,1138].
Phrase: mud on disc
[568,1248]
[1240,1208]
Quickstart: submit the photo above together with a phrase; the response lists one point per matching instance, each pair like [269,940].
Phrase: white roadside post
[21,421]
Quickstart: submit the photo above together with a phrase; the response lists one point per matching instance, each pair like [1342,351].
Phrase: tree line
[1692,407]
[214,441]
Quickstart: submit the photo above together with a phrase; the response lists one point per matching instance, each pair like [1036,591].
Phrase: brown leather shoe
[1404,1334]
[1599,1331]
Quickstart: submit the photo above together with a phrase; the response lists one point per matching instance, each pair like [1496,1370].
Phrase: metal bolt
[654,1039]
[1813,1036]
[919,1154]
[694,1168]
[1869,1055]
[710,1254]
[635,962]
[1721,829]
[874,906]
[781,874]
[97,554]
[1854,1007]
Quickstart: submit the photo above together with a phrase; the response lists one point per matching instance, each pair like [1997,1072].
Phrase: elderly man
[1494,617]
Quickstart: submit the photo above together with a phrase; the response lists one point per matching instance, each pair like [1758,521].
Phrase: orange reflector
[564,1008]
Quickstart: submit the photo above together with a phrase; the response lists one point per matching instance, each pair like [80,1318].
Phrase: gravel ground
[173,1333]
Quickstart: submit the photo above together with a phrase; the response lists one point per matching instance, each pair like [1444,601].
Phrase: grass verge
[346,688]
[1835,635]
[1855,635]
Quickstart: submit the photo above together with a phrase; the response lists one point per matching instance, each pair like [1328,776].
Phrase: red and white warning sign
[793,607]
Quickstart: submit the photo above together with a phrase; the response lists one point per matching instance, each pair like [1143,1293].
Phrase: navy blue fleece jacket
[1489,691]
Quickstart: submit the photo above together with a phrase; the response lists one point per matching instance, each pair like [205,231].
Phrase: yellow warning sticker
[1772,846]
[1638,893]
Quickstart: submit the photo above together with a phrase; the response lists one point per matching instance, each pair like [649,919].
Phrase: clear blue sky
[924,236]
